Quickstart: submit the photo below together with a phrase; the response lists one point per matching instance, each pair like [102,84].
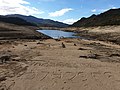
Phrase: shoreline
[102,33]
[50,64]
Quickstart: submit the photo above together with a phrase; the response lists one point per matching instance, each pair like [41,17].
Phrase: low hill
[17,28]
[13,31]
[110,17]
[39,21]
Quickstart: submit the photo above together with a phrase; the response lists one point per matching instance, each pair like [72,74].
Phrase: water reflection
[58,34]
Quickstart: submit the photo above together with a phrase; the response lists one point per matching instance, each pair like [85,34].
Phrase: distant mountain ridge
[110,17]
[15,20]
[39,21]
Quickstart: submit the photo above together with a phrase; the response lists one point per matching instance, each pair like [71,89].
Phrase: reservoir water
[58,34]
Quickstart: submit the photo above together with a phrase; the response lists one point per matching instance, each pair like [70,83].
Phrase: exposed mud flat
[102,33]
[66,64]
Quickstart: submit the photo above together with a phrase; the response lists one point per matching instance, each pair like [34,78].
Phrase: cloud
[70,21]
[60,12]
[102,10]
[17,7]
[98,10]
[114,7]
[94,10]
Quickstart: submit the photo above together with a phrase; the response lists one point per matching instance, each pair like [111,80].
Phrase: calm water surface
[58,34]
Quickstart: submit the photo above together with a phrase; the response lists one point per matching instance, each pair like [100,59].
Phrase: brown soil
[11,31]
[102,33]
[46,65]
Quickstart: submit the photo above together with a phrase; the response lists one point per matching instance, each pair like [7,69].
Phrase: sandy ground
[46,65]
[102,33]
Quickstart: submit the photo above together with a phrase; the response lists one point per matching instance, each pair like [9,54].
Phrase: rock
[38,43]
[25,45]
[92,56]
[83,57]
[9,51]
[3,78]
[57,39]
[0,43]
[63,45]
[75,44]
[82,49]
[16,59]
[4,58]
[118,55]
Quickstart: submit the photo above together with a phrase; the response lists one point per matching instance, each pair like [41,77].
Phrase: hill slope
[17,28]
[110,17]
[15,20]
[12,31]
[40,21]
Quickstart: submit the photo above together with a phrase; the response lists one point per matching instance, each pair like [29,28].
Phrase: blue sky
[67,11]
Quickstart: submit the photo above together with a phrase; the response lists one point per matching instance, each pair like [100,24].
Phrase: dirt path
[51,67]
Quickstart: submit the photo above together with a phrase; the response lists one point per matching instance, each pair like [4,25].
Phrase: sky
[67,11]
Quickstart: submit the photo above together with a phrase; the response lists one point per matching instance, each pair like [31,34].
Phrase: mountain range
[110,17]
[16,20]
[39,21]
